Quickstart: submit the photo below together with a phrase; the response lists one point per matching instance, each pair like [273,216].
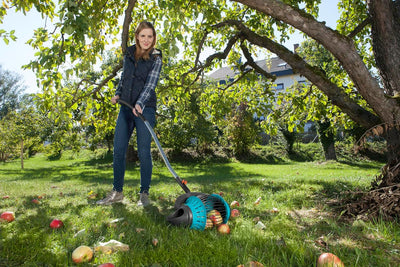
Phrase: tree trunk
[327,139]
[386,42]
[385,32]
[290,138]
[132,154]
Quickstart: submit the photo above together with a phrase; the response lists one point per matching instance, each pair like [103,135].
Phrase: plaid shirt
[151,82]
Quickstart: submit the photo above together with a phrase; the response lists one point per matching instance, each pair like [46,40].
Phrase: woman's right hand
[114,99]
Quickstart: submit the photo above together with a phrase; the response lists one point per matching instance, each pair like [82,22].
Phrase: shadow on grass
[300,231]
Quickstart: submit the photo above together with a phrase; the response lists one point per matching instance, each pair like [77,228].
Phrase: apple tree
[11,89]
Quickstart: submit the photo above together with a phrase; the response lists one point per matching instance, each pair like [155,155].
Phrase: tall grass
[300,224]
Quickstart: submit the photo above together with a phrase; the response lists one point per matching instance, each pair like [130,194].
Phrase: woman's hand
[137,110]
[114,99]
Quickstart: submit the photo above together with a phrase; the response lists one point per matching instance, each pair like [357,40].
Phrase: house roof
[275,66]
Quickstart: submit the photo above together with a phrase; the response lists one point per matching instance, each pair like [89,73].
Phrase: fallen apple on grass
[235,203]
[56,223]
[154,242]
[82,254]
[329,260]
[35,201]
[252,264]
[224,229]
[235,213]
[106,265]
[7,216]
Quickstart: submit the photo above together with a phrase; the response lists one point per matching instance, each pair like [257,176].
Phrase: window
[279,87]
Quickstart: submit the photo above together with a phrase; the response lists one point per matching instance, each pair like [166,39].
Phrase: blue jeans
[126,123]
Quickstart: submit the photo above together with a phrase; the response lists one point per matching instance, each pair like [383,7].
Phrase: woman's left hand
[137,109]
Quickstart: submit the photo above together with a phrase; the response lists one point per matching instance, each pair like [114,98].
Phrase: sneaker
[143,200]
[112,197]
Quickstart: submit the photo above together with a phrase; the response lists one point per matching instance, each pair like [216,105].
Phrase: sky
[16,54]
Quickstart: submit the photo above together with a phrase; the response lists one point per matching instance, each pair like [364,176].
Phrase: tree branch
[209,60]
[124,44]
[252,63]
[359,28]
[340,46]
[313,74]
[126,24]
[237,80]
[99,86]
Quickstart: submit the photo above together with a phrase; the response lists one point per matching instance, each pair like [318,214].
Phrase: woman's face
[146,38]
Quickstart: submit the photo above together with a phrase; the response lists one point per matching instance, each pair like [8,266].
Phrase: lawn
[295,209]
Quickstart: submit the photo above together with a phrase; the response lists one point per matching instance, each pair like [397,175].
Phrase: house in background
[285,77]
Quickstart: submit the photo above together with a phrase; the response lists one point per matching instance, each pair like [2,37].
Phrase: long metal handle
[153,134]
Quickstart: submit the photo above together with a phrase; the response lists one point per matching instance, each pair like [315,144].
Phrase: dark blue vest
[134,77]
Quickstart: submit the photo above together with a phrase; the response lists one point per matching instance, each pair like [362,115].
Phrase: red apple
[56,224]
[7,216]
[215,217]
[224,229]
[5,197]
[35,201]
[235,204]
[329,260]
[106,265]
[82,254]
[154,242]
[252,264]
[235,213]
[209,223]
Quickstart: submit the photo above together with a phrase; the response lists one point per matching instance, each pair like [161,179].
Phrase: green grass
[299,191]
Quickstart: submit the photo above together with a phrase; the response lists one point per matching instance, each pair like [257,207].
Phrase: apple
[82,254]
[35,201]
[224,229]
[235,204]
[254,264]
[209,223]
[329,260]
[92,196]
[7,216]
[56,223]
[215,217]
[5,197]
[235,213]
[106,265]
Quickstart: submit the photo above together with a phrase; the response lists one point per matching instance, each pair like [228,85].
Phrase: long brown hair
[141,53]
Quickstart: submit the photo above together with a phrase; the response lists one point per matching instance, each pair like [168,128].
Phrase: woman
[141,71]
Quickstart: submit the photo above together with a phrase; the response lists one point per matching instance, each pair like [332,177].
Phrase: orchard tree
[366,38]
[11,89]
[21,132]
[305,102]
